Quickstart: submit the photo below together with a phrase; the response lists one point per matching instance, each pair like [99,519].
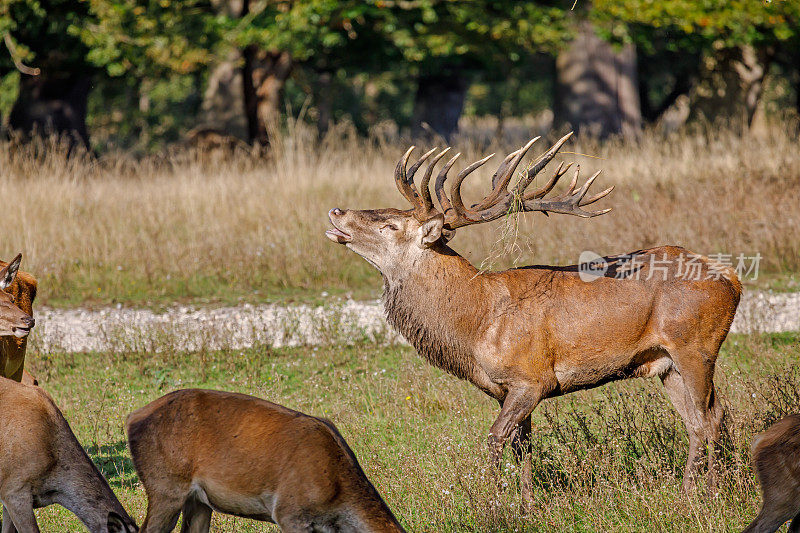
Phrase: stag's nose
[335,212]
[29,321]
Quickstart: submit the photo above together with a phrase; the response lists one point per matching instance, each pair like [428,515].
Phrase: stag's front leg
[518,405]
[521,444]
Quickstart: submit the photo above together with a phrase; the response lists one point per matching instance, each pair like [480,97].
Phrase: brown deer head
[13,320]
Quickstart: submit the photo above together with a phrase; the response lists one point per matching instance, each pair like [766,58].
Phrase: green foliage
[8,92]
[143,114]
[485,34]
[42,34]
[150,37]
[154,54]
[725,23]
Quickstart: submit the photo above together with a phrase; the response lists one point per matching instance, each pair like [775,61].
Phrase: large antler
[500,201]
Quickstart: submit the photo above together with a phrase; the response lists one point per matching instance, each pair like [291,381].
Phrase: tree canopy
[151,58]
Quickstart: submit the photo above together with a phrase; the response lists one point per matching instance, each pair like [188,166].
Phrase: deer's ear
[430,231]
[8,273]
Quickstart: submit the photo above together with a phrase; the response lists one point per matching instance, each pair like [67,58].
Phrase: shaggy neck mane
[427,306]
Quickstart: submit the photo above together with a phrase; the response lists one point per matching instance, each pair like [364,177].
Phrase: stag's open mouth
[21,332]
[337,235]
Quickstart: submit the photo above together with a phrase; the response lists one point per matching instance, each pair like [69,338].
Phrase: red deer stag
[536,332]
[42,463]
[18,293]
[776,460]
[201,450]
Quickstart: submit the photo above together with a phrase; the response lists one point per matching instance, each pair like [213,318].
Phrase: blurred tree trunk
[223,104]
[324,102]
[438,102]
[597,90]
[797,87]
[53,105]
[752,67]
[731,84]
[264,75]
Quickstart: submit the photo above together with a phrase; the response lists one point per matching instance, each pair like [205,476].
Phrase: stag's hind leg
[700,386]
[693,420]
[196,516]
[162,514]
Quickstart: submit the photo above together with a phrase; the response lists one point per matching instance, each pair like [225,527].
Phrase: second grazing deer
[42,463]
[198,451]
[526,334]
[776,460]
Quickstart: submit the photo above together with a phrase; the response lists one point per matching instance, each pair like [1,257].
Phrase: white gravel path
[191,328]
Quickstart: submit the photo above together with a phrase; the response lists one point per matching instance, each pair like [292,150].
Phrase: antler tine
[540,163]
[424,185]
[560,171]
[502,180]
[502,168]
[438,186]
[501,201]
[571,201]
[574,182]
[455,188]
[401,181]
[411,171]
[597,196]
[583,190]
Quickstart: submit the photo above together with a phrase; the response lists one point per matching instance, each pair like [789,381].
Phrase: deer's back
[776,455]
[631,290]
[232,445]
[30,427]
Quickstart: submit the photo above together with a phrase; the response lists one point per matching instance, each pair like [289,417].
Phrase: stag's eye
[390,226]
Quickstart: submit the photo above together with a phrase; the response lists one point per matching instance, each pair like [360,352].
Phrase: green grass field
[605,460]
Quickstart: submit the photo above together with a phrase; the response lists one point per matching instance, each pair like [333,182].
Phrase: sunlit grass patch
[608,459]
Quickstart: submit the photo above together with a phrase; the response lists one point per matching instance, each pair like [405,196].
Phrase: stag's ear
[448,234]
[8,273]
[430,231]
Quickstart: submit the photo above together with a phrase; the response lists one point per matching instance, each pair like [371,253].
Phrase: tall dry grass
[202,226]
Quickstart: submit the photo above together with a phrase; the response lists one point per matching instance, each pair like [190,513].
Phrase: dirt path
[190,328]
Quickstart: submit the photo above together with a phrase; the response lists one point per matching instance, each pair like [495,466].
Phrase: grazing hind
[198,451]
[42,463]
[776,460]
